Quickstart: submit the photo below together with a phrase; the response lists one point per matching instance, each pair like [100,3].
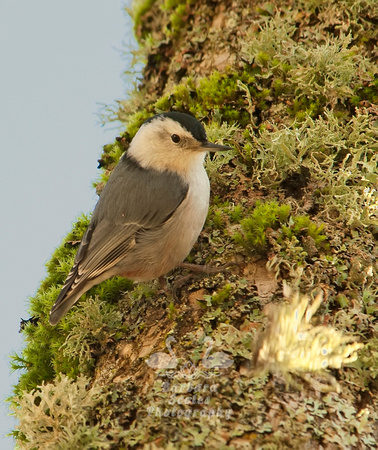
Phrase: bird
[150,212]
[161,360]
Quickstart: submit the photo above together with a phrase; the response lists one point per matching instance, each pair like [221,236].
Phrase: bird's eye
[175,138]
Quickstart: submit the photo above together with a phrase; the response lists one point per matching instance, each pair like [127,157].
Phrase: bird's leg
[208,270]
[200,270]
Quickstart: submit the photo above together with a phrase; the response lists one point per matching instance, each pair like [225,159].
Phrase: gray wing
[133,200]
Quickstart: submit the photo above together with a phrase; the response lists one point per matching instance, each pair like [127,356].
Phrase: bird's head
[172,141]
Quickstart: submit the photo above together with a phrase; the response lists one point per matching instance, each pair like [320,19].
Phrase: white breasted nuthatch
[149,213]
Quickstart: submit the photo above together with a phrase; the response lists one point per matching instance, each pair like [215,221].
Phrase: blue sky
[59,62]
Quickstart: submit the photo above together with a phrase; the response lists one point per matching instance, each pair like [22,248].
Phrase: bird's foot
[164,287]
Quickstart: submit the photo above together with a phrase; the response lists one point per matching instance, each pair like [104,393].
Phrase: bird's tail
[63,304]
[69,295]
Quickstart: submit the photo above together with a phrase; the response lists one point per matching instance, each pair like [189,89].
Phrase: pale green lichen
[92,326]
[344,154]
[57,416]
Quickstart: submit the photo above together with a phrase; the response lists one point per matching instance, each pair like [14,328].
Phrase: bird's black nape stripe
[187,121]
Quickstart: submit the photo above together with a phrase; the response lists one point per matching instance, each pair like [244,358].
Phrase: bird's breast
[196,204]
[181,231]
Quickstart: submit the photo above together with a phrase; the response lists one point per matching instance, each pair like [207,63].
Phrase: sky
[60,61]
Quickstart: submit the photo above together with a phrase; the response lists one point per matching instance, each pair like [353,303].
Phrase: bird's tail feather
[63,304]
[71,293]
[72,290]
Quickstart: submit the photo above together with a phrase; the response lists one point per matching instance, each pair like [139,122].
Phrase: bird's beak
[210,147]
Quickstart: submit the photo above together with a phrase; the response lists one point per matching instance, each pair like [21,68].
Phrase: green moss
[177,22]
[143,291]
[254,228]
[236,213]
[366,92]
[163,104]
[221,91]
[342,300]
[177,19]
[139,9]
[218,92]
[270,219]
[112,153]
[220,297]
[112,289]
[172,311]
[303,225]
[304,107]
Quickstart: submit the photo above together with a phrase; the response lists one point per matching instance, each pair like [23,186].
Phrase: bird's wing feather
[108,246]
[133,199]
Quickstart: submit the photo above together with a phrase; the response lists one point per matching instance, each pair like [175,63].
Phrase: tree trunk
[292,86]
